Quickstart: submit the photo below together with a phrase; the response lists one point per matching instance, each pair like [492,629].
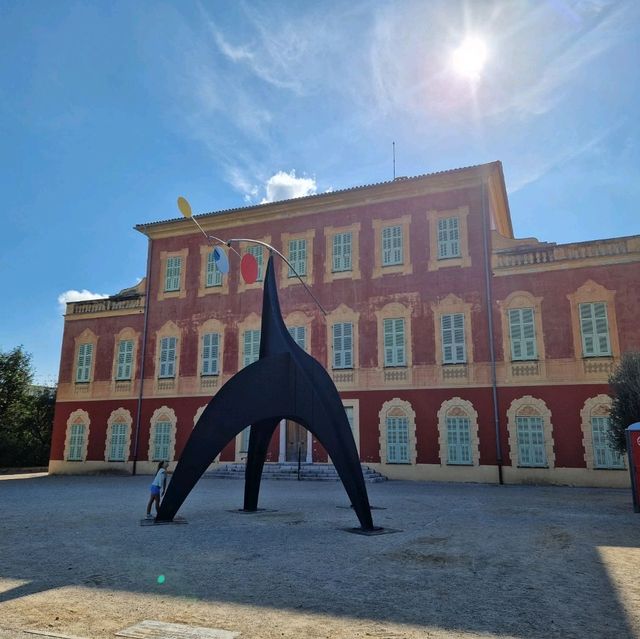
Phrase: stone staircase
[308,472]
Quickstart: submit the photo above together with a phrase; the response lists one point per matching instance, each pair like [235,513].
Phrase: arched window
[118,436]
[77,437]
[530,433]
[595,423]
[162,437]
[458,433]
[397,433]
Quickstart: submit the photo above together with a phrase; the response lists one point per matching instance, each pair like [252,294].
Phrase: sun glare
[470,57]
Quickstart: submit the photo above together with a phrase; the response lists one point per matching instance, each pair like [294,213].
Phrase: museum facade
[460,352]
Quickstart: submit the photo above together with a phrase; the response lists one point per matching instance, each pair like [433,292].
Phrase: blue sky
[110,110]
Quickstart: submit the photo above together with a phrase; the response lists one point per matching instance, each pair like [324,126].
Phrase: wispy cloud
[535,166]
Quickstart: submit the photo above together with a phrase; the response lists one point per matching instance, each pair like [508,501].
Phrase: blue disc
[222,261]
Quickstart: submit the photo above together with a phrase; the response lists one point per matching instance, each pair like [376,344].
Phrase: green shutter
[397,440]
[83,366]
[172,275]
[210,350]
[522,334]
[125,359]
[530,433]
[453,339]
[394,342]
[594,326]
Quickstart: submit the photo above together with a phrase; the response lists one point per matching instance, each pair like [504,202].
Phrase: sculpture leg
[259,438]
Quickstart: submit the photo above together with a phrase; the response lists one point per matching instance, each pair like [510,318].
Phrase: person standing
[158,488]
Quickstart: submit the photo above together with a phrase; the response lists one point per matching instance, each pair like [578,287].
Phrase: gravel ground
[469,561]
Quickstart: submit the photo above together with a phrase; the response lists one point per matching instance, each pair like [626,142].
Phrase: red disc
[249,268]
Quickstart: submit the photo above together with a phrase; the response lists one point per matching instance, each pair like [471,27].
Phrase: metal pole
[147,298]
[492,353]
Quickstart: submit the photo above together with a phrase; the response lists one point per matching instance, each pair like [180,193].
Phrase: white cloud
[284,186]
[78,296]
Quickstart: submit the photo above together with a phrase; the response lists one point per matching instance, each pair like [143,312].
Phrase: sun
[470,57]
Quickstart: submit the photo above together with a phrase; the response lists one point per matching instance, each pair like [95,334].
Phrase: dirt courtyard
[469,560]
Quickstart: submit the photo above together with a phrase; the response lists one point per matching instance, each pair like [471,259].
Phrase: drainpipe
[147,298]
[492,352]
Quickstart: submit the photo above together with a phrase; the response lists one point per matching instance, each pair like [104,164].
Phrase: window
[531,449]
[342,244]
[604,456]
[210,350]
[298,257]
[251,350]
[214,276]
[257,251]
[350,418]
[595,330]
[299,336]
[125,359]
[523,334]
[391,245]
[453,345]
[394,351]
[397,440]
[172,275]
[448,238]
[458,440]
[343,345]
[118,441]
[244,440]
[76,442]
[161,441]
[83,368]
[168,356]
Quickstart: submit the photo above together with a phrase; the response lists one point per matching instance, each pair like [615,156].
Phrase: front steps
[308,472]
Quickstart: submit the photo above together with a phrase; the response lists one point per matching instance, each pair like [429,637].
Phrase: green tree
[26,412]
[625,407]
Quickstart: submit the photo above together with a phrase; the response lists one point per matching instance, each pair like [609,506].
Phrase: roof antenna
[394,160]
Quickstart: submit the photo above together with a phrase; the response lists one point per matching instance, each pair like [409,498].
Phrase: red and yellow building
[461,353]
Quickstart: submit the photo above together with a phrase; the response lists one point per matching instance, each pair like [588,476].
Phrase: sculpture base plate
[242,511]
[374,532]
[154,522]
[371,507]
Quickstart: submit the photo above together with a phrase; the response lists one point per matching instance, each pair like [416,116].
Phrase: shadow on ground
[514,560]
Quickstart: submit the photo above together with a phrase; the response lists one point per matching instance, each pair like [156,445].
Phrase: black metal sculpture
[285,383]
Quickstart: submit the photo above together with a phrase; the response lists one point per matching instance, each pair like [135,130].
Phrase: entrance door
[296,440]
